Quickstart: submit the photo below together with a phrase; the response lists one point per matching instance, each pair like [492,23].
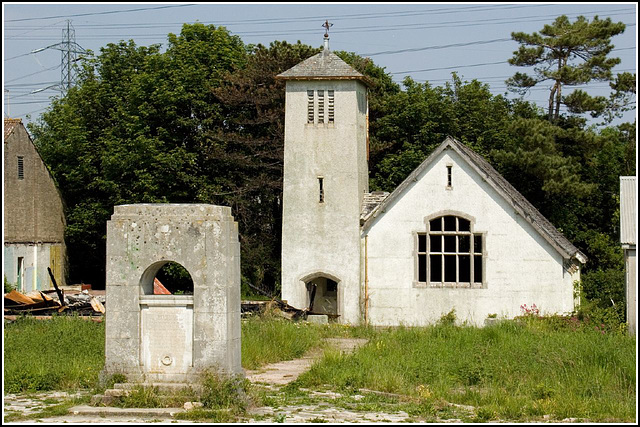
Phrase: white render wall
[520,266]
[323,239]
[36,259]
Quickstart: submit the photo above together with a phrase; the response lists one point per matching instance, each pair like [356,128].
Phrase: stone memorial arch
[172,338]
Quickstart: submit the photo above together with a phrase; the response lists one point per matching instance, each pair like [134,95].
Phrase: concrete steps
[125,389]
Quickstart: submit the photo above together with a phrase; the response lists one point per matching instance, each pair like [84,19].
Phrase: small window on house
[321,189]
[321,106]
[330,106]
[449,176]
[310,112]
[20,167]
[450,254]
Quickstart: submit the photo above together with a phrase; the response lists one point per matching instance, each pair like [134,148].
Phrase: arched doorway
[322,296]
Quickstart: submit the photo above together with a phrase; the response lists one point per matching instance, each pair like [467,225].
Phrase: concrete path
[282,373]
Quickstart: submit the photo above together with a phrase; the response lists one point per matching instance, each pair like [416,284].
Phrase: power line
[33,74]
[371,15]
[98,13]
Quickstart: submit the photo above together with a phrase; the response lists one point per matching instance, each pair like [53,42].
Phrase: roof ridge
[325,65]
[522,205]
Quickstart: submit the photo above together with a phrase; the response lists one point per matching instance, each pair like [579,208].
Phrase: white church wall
[520,266]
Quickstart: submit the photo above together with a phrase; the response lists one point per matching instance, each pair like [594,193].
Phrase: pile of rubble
[53,301]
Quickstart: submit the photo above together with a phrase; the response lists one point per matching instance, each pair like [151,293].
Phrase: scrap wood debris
[39,302]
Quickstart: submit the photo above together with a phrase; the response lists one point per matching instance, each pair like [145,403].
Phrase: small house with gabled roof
[34,218]
[455,235]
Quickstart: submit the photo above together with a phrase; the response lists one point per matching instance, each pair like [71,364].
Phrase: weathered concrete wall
[520,266]
[148,336]
[631,288]
[323,239]
[35,260]
[33,212]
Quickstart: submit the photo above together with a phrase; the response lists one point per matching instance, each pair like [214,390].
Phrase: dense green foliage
[203,122]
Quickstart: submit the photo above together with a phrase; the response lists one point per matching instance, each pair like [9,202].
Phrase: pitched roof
[10,125]
[371,201]
[628,210]
[521,205]
[325,65]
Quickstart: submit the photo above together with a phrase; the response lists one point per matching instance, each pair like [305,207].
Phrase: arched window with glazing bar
[450,253]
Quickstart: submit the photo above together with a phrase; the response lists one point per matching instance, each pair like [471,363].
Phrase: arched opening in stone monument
[322,293]
[166,278]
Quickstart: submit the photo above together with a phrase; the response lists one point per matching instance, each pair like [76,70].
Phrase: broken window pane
[464,243]
[449,223]
[450,268]
[477,243]
[464,274]
[477,268]
[436,243]
[422,268]
[436,268]
[422,243]
[449,243]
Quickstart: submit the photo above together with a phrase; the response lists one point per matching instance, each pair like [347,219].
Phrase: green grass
[63,353]
[513,371]
[271,339]
[516,370]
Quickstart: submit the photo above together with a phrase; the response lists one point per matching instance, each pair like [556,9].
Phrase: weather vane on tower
[327,25]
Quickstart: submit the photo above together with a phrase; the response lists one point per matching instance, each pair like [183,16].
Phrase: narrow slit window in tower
[321,106]
[321,189]
[331,106]
[449,176]
[310,106]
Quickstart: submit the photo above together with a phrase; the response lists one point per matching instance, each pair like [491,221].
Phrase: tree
[417,119]
[567,54]
[131,132]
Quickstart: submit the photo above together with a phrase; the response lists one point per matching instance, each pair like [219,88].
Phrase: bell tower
[325,178]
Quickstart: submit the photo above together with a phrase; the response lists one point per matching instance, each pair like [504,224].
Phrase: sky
[426,41]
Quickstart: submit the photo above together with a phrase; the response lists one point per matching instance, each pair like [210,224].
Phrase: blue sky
[424,41]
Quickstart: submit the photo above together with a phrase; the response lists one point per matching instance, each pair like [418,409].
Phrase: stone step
[111,411]
[116,392]
[162,387]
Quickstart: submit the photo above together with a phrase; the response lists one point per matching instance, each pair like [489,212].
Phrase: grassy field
[516,370]
[512,371]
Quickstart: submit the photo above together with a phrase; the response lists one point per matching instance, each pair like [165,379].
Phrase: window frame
[442,253]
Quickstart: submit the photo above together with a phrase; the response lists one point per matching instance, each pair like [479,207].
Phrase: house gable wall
[520,266]
[34,221]
[33,209]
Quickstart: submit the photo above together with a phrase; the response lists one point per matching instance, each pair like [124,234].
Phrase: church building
[454,235]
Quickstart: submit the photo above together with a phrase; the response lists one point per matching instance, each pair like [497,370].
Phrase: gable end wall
[520,266]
